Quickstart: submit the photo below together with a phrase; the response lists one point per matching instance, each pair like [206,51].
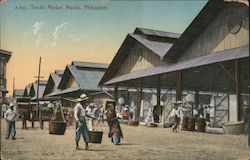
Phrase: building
[18,93]
[78,78]
[53,82]
[4,58]
[27,90]
[211,55]
[37,92]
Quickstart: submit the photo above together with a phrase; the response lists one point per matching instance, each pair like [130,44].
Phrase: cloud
[36,27]
[58,29]
[36,31]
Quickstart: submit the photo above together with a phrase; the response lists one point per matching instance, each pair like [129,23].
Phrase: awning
[60,92]
[225,55]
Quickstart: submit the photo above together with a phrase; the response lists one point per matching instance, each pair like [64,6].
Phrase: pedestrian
[115,132]
[89,111]
[211,116]
[81,125]
[175,115]
[11,115]
[4,109]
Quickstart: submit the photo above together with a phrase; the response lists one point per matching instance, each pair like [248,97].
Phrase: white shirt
[79,111]
[174,112]
[11,115]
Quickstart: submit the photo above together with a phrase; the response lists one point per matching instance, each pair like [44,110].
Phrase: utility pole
[13,86]
[38,81]
[37,94]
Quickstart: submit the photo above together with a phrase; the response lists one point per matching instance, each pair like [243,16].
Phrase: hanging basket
[57,127]
[95,136]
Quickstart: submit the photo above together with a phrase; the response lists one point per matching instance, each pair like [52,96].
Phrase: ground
[139,143]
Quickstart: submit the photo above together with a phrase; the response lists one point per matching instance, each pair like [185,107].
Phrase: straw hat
[83,97]
[178,102]
[11,105]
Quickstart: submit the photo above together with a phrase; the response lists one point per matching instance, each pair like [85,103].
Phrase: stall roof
[160,48]
[225,55]
[53,82]
[197,26]
[5,53]
[91,65]
[18,92]
[33,90]
[157,45]
[61,92]
[86,79]
[152,32]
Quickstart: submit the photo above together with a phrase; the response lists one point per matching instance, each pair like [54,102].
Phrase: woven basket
[95,136]
[133,123]
[167,125]
[57,127]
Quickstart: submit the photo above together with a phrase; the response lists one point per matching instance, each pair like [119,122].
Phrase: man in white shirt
[80,117]
[81,125]
[175,115]
[11,116]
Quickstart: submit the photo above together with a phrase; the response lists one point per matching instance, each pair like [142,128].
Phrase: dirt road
[139,143]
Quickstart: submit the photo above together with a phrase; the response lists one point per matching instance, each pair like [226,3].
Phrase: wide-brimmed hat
[11,105]
[178,102]
[83,97]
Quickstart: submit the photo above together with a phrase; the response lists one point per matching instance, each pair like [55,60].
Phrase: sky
[62,31]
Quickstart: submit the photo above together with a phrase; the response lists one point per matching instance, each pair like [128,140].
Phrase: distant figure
[149,118]
[201,111]
[101,114]
[90,111]
[4,109]
[125,114]
[11,115]
[157,111]
[115,132]
[211,116]
[81,125]
[175,115]
[133,110]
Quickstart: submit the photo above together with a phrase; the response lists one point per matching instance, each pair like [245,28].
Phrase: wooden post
[116,93]
[237,87]
[140,98]
[127,97]
[178,86]
[197,101]
[159,91]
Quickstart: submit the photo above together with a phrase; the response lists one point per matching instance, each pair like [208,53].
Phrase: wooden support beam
[140,99]
[237,87]
[226,71]
[127,97]
[178,86]
[116,93]
[159,90]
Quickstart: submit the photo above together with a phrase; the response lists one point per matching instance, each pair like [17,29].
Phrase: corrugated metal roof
[33,90]
[5,53]
[60,92]
[157,33]
[18,92]
[226,55]
[53,82]
[60,72]
[160,48]
[27,90]
[90,65]
[86,79]
[197,26]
